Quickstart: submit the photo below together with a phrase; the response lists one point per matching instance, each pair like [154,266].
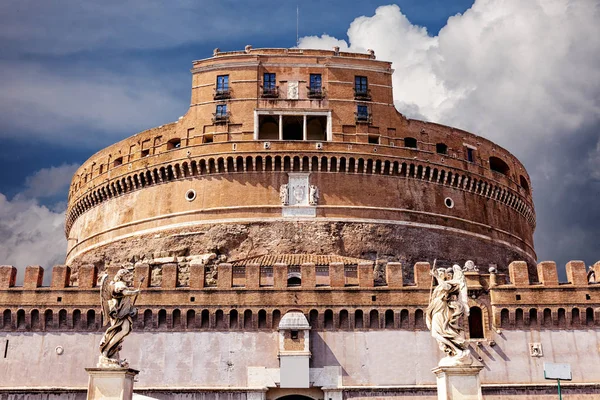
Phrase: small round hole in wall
[190,195]
[59,350]
[449,202]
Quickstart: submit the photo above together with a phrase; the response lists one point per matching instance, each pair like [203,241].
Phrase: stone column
[110,383]
[458,383]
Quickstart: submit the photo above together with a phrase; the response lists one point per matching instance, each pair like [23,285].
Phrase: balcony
[363,118]
[270,92]
[362,94]
[315,92]
[222,94]
[220,118]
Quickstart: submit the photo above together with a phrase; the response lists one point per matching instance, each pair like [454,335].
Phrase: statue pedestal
[458,383]
[111,383]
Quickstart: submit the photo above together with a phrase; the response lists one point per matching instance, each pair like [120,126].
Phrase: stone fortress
[285,227]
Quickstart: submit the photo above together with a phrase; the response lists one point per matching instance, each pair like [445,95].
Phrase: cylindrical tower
[294,151]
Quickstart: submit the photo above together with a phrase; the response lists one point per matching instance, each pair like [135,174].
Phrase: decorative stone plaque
[292,90]
[298,198]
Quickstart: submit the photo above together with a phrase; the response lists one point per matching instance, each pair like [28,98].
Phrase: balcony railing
[362,94]
[363,118]
[315,93]
[221,94]
[270,92]
[220,118]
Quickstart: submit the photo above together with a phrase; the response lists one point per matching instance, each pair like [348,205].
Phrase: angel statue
[447,304]
[117,301]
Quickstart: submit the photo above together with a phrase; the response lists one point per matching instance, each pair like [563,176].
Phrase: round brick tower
[294,151]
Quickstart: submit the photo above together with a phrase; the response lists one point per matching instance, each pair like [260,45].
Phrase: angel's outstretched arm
[130,292]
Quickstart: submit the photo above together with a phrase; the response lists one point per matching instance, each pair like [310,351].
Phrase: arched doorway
[295,397]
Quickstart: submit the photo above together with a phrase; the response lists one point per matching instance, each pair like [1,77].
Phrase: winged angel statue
[117,301]
[447,305]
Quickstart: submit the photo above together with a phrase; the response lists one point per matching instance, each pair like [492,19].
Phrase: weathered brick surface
[394,275]
[8,276]
[61,276]
[576,272]
[34,276]
[547,273]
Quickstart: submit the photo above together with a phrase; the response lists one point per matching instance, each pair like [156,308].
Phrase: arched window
[294,279]
[374,319]
[48,320]
[204,319]
[76,319]
[498,165]
[262,319]
[419,320]
[148,319]
[547,317]
[519,318]
[35,319]
[575,317]
[589,316]
[504,318]
[248,319]
[410,142]
[219,319]
[21,319]
[475,323]
[62,319]
[162,319]
[276,318]
[533,317]
[177,319]
[389,319]
[313,319]
[328,319]
[91,319]
[190,320]
[233,319]
[6,319]
[358,319]
[404,319]
[562,320]
[344,324]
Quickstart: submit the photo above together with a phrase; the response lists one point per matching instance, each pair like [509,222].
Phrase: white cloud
[507,70]
[48,182]
[30,234]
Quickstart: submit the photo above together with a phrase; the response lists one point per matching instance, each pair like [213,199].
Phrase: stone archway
[295,397]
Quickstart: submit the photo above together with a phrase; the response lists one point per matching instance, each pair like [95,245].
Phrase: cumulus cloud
[48,182]
[521,73]
[508,70]
[30,234]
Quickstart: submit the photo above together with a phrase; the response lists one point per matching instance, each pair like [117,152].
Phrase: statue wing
[463,296]
[105,296]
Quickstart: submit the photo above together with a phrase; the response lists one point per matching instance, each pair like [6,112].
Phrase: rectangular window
[470,154]
[269,81]
[361,85]
[221,110]
[222,83]
[362,112]
[315,82]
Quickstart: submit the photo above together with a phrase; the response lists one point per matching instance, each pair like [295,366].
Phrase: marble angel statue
[447,305]
[117,300]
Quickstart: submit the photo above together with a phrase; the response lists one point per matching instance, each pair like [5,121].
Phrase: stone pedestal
[458,383]
[111,383]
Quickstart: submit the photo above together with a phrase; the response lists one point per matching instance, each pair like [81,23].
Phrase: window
[221,115]
[499,165]
[223,83]
[360,84]
[118,161]
[441,148]
[524,183]
[294,335]
[410,142]
[373,139]
[221,110]
[222,89]
[362,113]
[173,144]
[470,154]
[315,90]
[269,85]
[145,153]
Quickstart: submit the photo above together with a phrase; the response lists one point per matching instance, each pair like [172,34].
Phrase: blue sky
[77,76]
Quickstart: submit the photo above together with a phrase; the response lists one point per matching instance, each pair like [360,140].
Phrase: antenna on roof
[297,19]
